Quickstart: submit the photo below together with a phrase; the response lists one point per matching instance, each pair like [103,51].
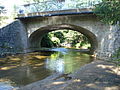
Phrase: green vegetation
[46,41]
[65,38]
[108,11]
[116,57]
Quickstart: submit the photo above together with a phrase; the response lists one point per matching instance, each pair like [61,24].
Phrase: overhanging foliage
[108,11]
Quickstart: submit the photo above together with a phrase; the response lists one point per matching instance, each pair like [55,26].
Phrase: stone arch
[36,36]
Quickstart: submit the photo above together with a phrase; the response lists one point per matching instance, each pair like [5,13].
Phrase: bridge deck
[56,13]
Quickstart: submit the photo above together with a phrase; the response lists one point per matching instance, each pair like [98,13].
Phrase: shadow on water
[23,69]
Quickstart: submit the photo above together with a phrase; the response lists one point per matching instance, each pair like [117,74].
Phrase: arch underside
[36,36]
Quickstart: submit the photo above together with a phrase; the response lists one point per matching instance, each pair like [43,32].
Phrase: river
[22,69]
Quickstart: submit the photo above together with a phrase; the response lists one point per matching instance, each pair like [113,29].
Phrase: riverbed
[19,70]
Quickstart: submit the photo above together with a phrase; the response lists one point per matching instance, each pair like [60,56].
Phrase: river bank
[98,75]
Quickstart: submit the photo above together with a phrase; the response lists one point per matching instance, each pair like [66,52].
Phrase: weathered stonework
[12,38]
[111,42]
[117,39]
[105,39]
[102,36]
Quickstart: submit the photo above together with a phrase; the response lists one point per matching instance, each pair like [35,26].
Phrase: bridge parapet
[40,8]
[56,13]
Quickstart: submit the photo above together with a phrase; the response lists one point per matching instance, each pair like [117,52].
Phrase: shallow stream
[20,70]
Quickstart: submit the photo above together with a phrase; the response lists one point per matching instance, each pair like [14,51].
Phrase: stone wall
[117,39]
[12,38]
[111,43]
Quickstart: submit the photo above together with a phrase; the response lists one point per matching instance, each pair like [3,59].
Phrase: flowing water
[20,70]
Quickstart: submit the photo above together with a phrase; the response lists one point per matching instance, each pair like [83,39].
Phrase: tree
[108,11]
[46,41]
[2,9]
[37,1]
[2,15]
[65,38]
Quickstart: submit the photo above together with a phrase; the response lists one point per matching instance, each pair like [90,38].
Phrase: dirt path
[98,75]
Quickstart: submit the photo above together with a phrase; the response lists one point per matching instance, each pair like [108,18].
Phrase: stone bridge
[28,30]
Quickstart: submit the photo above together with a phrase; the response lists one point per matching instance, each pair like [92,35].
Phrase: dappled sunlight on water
[22,69]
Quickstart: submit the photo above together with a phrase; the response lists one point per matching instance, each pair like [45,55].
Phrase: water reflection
[67,63]
[20,70]
[55,65]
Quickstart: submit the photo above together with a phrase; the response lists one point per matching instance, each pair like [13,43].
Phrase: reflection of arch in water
[36,36]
